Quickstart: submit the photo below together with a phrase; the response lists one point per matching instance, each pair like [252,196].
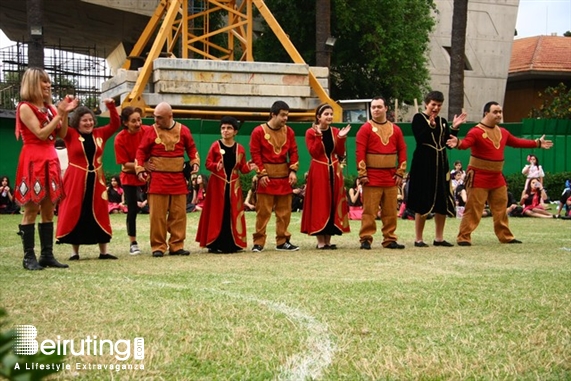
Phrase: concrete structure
[536,64]
[115,25]
[489,37]
[222,85]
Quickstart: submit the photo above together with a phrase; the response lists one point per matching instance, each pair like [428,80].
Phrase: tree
[457,58]
[380,48]
[556,103]
[323,31]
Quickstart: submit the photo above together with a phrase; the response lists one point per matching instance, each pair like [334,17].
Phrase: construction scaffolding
[72,69]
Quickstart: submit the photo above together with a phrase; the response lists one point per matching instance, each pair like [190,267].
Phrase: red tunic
[479,139]
[126,145]
[75,177]
[211,216]
[38,165]
[384,142]
[180,141]
[274,147]
[318,193]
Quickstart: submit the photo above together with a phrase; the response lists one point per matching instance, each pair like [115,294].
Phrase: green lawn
[489,311]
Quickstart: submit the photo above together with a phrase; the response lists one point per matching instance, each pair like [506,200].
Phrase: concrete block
[230,66]
[238,89]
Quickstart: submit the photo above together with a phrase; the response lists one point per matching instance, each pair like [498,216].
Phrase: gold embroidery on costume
[168,138]
[428,121]
[99,142]
[276,138]
[384,131]
[494,134]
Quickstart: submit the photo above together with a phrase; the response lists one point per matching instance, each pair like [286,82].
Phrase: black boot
[47,259]
[27,232]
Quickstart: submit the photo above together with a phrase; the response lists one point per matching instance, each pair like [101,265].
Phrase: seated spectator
[564,201]
[404,212]
[355,200]
[456,180]
[7,203]
[532,200]
[457,169]
[116,197]
[252,196]
[513,209]
[199,192]
[142,203]
[298,196]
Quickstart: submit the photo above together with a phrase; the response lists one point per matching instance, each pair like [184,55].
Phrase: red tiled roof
[541,53]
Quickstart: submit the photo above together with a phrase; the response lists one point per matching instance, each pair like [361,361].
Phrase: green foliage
[556,103]
[8,359]
[372,35]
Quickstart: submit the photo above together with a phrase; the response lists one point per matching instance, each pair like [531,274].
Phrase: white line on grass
[307,365]
[301,366]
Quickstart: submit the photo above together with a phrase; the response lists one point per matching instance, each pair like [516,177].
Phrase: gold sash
[488,165]
[167,164]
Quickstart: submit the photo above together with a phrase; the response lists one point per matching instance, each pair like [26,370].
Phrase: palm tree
[322,32]
[457,58]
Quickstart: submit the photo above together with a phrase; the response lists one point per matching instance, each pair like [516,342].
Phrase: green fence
[205,132]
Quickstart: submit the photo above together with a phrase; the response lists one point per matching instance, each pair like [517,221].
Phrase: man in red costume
[164,146]
[274,151]
[484,179]
[381,163]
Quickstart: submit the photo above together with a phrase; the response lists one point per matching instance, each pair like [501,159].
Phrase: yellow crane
[172,22]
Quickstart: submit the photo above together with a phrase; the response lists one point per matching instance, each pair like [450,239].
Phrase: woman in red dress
[222,226]
[83,218]
[38,179]
[325,211]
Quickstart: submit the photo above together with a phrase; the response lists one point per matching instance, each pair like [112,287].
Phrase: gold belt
[380,161]
[277,170]
[488,165]
[167,164]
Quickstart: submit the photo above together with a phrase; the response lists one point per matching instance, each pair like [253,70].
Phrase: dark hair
[434,95]
[117,179]
[7,179]
[230,120]
[78,113]
[489,105]
[277,107]
[320,109]
[536,159]
[381,98]
[127,112]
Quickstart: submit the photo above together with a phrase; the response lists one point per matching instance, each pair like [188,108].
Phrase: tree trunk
[457,58]
[35,12]
[322,32]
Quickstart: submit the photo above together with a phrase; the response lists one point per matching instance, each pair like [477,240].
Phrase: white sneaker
[134,249]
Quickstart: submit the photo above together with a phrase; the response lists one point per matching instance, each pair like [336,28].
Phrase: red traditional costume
[224,202]
[275,154]
[381,155]
[38,174]
[484,178]
[167,189]
[85,186]
[325,202]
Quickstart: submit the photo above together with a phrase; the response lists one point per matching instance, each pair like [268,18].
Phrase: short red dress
[38,174]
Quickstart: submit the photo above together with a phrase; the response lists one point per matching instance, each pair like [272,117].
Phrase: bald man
[164,146]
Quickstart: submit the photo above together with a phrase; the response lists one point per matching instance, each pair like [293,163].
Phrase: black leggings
[130,192]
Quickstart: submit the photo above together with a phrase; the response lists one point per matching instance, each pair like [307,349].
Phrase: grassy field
[489,311]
